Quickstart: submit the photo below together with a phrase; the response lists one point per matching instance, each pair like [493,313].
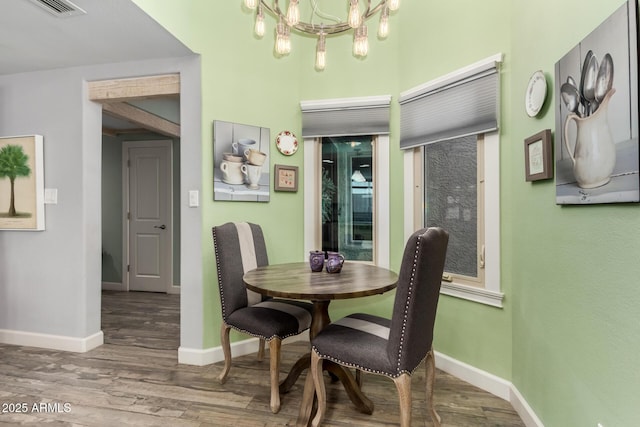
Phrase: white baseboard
[113,286]
[121,287]
[54,342]
[489,383]
[193,356]
[479,378]
[529,418]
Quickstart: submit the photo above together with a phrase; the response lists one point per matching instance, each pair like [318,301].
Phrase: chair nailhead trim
[363,368]
[222,304]
[407,304]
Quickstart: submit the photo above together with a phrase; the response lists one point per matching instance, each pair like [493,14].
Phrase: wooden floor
[134,379]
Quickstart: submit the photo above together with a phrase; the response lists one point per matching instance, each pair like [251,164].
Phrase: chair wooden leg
[274,368]
[226,349]
[318,381]
[403,384]
[261,350]
[430,366]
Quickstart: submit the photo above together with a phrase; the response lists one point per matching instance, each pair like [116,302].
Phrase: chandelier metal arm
[315,29]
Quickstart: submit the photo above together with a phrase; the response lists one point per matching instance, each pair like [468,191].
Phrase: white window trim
[312,198]
[491,293]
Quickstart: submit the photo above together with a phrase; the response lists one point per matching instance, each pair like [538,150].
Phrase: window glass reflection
[347,196]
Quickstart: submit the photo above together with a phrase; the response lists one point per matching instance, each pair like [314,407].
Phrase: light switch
[51,196]
[194,199]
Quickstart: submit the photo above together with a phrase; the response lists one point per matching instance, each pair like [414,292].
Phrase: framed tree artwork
[21,183]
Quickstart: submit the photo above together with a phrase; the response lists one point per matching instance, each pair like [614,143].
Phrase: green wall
[576,323]
[567,336]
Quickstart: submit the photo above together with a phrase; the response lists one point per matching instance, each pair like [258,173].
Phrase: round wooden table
[297,281]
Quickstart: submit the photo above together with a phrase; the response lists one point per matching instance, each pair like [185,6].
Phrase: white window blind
[465,102]
[346,116]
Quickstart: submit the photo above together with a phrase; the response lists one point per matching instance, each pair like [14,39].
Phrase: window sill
[470,293]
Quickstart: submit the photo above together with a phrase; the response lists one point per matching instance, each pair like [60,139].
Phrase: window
[348,196]
[453,198]
[346,141]
[449,131]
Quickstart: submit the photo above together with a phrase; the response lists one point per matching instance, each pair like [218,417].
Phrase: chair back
[239,247]
[416,300]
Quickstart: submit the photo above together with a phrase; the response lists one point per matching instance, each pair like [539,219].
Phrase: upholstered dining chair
[392,347]
[240,247]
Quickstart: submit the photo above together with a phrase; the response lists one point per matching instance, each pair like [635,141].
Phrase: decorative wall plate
[536,94]
[287,143]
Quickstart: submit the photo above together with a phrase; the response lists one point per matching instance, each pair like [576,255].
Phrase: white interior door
[150,222]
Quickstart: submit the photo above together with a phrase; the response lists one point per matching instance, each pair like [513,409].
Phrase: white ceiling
[111,31]
[32,39]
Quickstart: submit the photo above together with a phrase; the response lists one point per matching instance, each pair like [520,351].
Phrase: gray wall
[50,281]
[111,209]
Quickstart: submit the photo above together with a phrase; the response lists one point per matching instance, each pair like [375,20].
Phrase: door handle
[161,227]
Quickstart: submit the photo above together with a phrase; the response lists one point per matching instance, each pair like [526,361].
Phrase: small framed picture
[537,156]
[286,178]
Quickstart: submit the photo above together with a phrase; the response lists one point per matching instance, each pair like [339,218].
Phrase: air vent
[60,8]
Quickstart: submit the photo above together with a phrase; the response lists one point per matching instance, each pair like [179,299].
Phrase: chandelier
[355,22]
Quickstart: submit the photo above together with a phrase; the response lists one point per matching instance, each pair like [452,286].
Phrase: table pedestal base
[351,386]
[337,372]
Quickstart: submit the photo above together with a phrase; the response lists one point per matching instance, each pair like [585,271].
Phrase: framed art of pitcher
[596,82]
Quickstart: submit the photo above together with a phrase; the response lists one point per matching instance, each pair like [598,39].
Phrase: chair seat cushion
[358,340]
[272,318]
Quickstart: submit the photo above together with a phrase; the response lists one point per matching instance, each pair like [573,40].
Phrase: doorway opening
[140,185]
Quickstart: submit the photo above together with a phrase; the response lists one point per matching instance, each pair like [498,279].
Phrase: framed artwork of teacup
[240,162]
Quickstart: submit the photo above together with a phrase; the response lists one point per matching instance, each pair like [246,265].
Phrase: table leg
[294,373]
[351,386]
[319,320]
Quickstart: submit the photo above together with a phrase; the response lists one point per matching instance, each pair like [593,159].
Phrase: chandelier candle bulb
[321,52]
[383,28]
[361,42]
[355,20]
[251,4]
[283,42]
[260,26]
[393,4]
[293,13]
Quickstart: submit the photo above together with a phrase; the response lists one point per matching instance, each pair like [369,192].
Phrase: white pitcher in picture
[593,153]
